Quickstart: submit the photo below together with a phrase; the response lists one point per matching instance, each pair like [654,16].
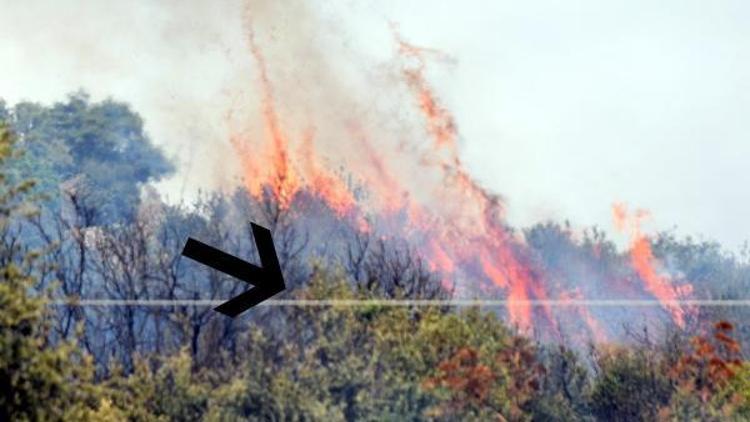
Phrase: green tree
[740,388]
[564,395]
[631,385]
[159,389]
[38,380]
[98,152]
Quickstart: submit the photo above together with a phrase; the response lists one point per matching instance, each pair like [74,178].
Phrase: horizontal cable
[412,302]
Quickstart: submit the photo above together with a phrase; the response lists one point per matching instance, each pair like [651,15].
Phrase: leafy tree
[739,388]
[630,385]
[564,394]
[97,151]
[374,362]
[161,389]
[467,383]
[38,380]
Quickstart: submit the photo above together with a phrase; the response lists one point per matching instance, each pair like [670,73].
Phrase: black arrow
[267,279]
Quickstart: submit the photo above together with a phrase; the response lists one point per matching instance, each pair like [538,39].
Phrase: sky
[563,107]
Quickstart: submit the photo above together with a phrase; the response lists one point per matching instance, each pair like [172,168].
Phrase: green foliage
[740,388]
[165,389]
[330,363]
[12,192]
[97,151]
[350,363]
[564,395]
[38,380]
[630,386]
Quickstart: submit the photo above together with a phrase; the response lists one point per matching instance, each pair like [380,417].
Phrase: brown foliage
[711,365]
[465,377]
[515,372]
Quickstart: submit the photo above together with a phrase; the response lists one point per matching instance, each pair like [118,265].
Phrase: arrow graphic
[267,279]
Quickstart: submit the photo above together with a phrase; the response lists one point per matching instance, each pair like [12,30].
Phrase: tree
[159,389]
[630,385]
[38,380]
[98,150]
[564,394]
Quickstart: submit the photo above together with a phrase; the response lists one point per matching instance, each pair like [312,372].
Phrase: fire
[440,261]
[475,216]
[420,192]
[645,264]
[280,175]
[290,170]
[493,272]
[595,328]
[324,184]
[391,194]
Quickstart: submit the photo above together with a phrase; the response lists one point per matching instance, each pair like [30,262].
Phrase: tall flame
[280,176]
[645,264]
[498,258]
[458,225]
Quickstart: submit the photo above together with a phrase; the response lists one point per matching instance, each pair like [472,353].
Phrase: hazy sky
[564,107]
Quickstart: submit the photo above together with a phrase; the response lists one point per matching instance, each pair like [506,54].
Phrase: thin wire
[411,302]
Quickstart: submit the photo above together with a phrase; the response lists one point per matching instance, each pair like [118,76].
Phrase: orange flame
[643,261]
[290,170]
[596,330]
[280,177]
[386,185]
[458,223]
[478,206]
[327,186]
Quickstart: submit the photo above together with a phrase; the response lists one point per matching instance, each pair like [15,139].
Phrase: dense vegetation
[75,223]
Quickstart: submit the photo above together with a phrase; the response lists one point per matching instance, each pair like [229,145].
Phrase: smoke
[286,102]
[419,187]
[331,100]
[180,65]
[588,84]
[314,116]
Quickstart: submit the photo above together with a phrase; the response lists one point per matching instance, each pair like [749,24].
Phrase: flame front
[427,196]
